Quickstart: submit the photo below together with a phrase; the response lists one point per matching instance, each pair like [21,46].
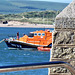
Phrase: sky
[62,1]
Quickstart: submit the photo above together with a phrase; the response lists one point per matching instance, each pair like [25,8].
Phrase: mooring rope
[2,40]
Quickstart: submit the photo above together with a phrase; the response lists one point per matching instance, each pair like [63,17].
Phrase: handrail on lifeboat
[37,66]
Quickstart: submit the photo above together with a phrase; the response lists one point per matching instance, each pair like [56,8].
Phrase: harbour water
[14,57]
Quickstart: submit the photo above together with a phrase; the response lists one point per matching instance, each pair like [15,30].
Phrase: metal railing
[37,66]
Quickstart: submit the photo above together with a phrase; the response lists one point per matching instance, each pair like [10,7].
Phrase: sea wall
[63,45]
[63,50]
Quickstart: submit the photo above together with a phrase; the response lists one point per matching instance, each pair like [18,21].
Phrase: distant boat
[33,40]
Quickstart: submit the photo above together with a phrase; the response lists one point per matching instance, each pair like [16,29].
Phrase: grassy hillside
[19,6]
[30,11]
[42,17]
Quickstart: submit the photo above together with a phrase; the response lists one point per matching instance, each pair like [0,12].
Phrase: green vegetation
[41,14]
[42,17]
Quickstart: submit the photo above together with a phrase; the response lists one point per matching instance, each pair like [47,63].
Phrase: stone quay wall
[63,44]
[63,48]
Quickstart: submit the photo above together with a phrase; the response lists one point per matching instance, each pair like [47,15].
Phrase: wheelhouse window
[43,34]
[39,34]
[31,35]
[35,34]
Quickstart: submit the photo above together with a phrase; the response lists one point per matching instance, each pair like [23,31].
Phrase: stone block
[63,37]
[67,23]
[63,54]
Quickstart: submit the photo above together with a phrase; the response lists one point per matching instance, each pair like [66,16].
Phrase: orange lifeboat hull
[43,49]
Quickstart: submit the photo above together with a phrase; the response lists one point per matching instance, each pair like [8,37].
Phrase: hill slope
[19,6]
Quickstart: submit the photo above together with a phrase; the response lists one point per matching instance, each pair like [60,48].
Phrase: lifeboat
[32,40]
[43,49]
